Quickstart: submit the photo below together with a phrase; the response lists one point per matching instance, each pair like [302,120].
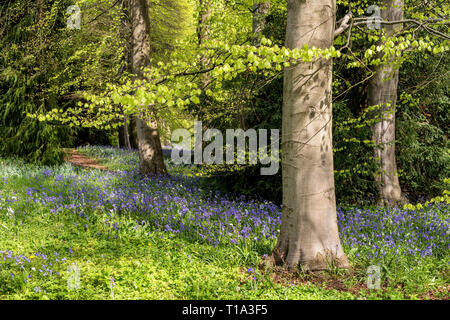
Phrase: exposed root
[327,261]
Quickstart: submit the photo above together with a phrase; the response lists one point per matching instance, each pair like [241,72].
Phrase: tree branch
[344,25]
[363,20]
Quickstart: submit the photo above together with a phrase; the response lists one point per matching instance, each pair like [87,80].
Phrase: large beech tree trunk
[151,159]
[149,144]
[383,91]
[309,232]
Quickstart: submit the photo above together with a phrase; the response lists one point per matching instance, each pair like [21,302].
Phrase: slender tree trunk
[149,144]
[204,16]
[309,232]
[203,34]
[126,133]
[382,91]
[125,33]
[133,133]
[121,137]
[260,11]
[40,10]
[124,136]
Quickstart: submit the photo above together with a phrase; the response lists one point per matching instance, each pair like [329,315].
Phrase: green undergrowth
[74,254]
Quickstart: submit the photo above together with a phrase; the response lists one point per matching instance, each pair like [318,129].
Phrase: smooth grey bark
[149,144]
[309,232]
[151,159]
[382,91]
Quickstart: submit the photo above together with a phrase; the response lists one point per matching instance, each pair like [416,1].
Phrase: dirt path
[80,160]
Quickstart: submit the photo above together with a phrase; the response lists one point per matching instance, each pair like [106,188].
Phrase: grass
[134,238]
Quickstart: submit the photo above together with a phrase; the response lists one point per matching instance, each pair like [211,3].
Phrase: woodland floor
[80,160]
[279,274]
[168,238]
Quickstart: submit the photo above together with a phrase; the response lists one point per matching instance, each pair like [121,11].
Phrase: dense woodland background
[44,65]
[362,102]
